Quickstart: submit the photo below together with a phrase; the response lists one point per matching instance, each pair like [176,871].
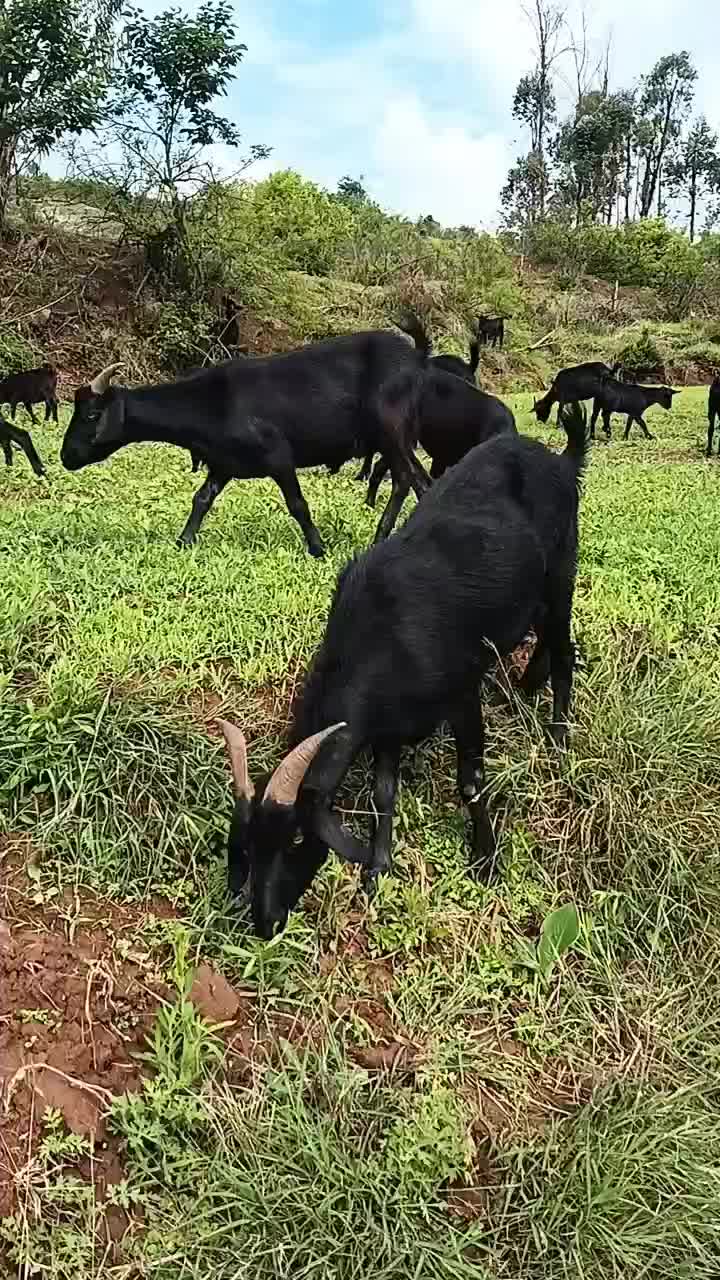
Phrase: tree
[351,190]
[695,170]
[591,152]
[171,69]
[666,98]
[547,21]
[520,197]
[54,72]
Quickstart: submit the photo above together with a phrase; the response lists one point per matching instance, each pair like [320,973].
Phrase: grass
[555,1129]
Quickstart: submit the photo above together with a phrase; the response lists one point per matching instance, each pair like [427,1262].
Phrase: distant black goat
[33,386]
[579,382]
[415,624]
[248,418]
[491,330]
[10,435]
[629,398]
[713,413]
[453,416]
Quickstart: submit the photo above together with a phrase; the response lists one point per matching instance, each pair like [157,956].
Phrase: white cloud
[437,168]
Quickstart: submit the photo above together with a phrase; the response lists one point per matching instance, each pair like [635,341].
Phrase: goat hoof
[483,869]
[317,550]
[182,543]
[558,736]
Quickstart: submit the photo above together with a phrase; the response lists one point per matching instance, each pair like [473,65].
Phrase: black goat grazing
[10,435]
[569,386]
[414,625]
[249,418]
[713,413]
[491,330]
[453,416]
[628,398]
[33,386]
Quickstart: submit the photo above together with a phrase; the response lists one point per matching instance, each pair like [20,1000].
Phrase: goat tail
[412,325]
[573,419]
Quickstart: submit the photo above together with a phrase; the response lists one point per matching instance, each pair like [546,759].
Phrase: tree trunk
[7,177]
[693,204]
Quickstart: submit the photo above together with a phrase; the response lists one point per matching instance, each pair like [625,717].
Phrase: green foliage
[53,74]
[298,224]
[560,931]
[16,352]
[429,1146]
[641,358]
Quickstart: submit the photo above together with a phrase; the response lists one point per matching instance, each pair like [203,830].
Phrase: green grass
[582,1114]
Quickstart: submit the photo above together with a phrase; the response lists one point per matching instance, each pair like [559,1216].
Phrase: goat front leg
[607,428]
[299,510]
[387,769]
[469,730]
[29,409]
[594,418]
[23,441]
[641,423]
[201,504]
[7,450]
[711,433]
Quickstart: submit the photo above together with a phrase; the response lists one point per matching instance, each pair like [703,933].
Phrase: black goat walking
[249,418]
[627,398]
[33,386]
[414,625]
[713,413]
[10,435]
[573,385]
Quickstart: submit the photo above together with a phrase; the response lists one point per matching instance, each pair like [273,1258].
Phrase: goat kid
[628,398]
[250,418]
[33,386]
[10,435]
[414,625]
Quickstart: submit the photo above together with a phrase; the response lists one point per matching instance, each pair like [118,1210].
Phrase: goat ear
[328,827]
[111,427]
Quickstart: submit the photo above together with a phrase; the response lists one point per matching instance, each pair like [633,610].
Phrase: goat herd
[417,620]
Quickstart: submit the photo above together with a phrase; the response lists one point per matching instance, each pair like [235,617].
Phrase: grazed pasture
[400,1093]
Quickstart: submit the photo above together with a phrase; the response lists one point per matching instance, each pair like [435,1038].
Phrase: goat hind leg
[380,470]
[468,728]
[299,510]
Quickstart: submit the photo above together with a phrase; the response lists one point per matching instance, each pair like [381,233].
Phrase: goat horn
[237,750]
[100,384]
[285,783]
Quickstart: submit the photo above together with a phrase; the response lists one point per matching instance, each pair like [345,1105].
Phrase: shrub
[641,359]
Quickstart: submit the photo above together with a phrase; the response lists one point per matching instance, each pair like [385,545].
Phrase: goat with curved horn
[101,382]
[287,779]
[237,750]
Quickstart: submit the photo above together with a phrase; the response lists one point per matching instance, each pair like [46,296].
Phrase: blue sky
[416,94]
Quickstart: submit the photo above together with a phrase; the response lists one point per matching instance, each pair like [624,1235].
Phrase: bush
[16,353]
[641,359]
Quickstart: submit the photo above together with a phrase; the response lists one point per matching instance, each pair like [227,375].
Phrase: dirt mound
[74,1011]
